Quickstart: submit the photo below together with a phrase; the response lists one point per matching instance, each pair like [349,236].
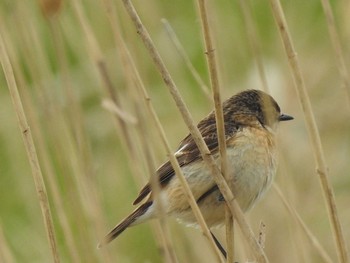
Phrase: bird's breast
[251,159]
[251,164]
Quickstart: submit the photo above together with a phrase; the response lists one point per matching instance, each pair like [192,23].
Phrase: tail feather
[127,222]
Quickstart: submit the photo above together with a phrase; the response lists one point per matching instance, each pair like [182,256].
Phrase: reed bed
[99,116]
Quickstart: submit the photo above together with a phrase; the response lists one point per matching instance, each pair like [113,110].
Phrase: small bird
[251,118]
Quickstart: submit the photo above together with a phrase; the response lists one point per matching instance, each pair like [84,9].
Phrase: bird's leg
[219,246]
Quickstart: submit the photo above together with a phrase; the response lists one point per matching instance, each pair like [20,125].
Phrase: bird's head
[256,105]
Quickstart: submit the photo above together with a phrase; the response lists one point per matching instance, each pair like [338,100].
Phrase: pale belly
[251,168]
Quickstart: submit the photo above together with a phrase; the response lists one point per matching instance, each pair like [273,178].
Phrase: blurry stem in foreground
[314,135]
[314,241]
[254,42]
[30,149]
[180,49]
[219,116]
[133,79]
[333,34]
[196,135]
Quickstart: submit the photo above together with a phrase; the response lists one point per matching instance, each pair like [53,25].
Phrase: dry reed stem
[160,130]
[50,8]
[229,234]
[5,251]
[96,55]
[65,145]
[81,162]
[163,231]
[89,211]
[179,174]
[219,116]
[208,159]
[109,105]
[262,234]
[314,241]
[77,122]
[339,54]
[58,128]
[132,76]
[75,111]
[30,149]
[254,41]
[256,50]
[178,171]
[42,150]
[321,169]
[180,49]
[146,147]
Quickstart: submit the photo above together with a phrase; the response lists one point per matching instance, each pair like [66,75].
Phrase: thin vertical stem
[196,135]
[314,135]
[30,149]
[314,241]
[254,42]
[219,116]
[186,59]
[5,252]
[339,54]
[134,80]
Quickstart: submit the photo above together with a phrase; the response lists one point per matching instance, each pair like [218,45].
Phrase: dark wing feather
[189,151]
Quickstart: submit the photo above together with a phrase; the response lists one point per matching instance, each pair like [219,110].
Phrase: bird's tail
[136,217]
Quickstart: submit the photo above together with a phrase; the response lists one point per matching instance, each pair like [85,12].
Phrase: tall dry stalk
[98,59]
[321,167]
[5,251]
[338,50]
[30,149]
[208,159]
[314,241]
[254,42]
[133,79]
[175,165]
[48,168]
[188,63]
[219,116]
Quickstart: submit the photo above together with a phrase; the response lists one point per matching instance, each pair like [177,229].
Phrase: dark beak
[285,117]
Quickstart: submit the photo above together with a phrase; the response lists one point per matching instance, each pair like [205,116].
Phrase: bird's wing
[188,151]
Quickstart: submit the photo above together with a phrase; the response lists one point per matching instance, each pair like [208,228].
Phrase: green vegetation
[92,173]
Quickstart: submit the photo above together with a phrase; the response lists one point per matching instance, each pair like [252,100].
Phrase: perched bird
[251,118]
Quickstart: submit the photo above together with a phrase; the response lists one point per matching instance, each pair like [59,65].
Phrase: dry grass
[68,59]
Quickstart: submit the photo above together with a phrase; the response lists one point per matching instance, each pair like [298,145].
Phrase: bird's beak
[285,117]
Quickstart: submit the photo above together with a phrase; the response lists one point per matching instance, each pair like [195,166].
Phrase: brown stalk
[254,42]
[50,8]
[224,188]
[133,78]
[102,69]
[97,57]
[46,164]
[339,54]
[321,167]
[146,146]
[60,131]
[175,164]
[219,116]
[314,241]
[182,53]
[31,151]
[5,252]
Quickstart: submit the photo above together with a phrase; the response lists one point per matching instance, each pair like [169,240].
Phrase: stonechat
[251,118]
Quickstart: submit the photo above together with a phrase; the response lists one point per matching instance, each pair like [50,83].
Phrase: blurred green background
[84,155]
